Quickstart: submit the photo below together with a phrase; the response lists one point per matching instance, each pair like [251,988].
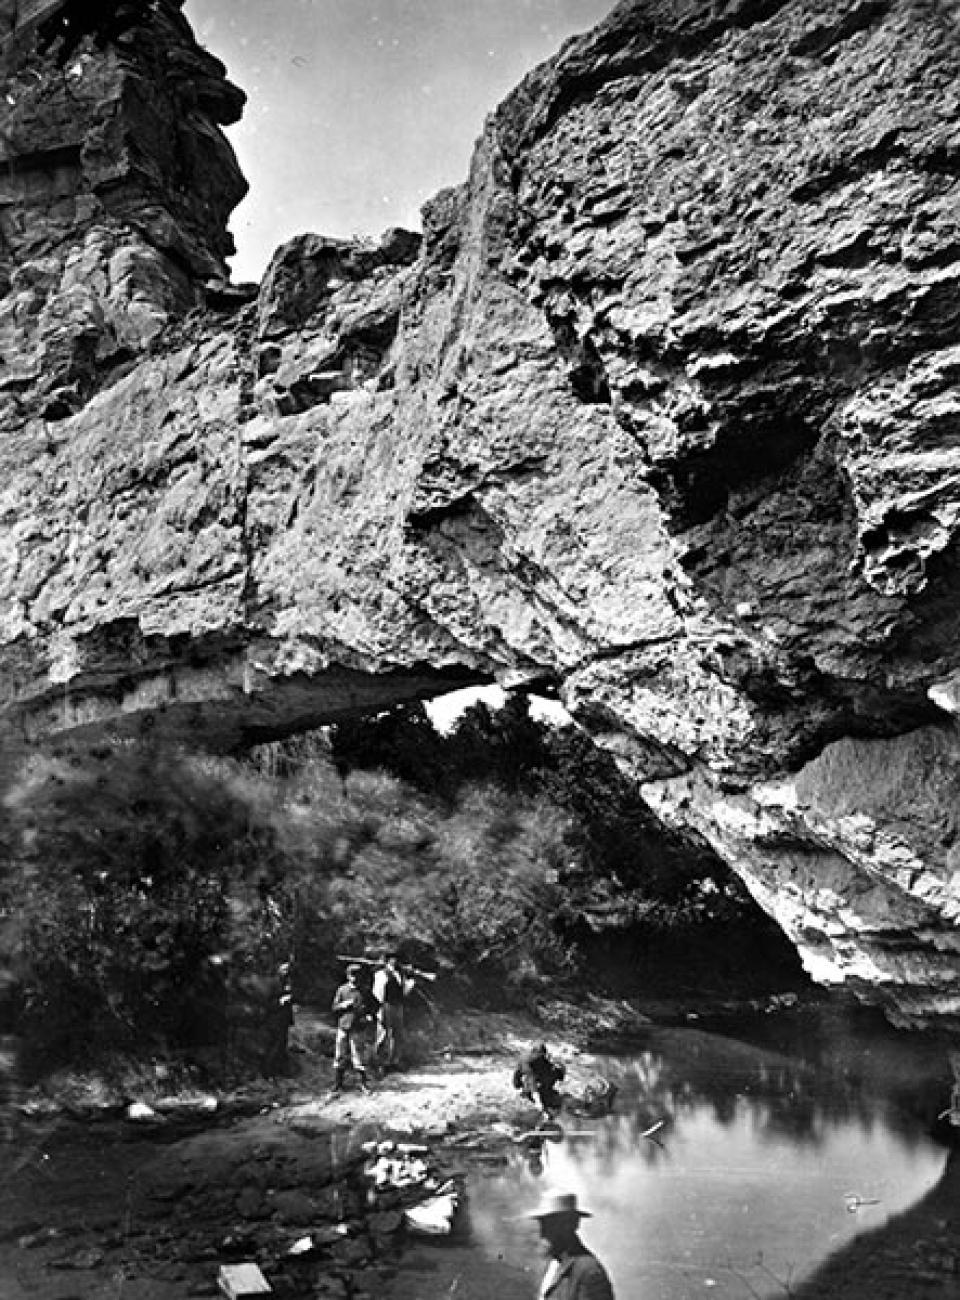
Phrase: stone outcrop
[661,410]
[116,188]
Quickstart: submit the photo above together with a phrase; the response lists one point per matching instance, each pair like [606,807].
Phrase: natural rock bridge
[662,410]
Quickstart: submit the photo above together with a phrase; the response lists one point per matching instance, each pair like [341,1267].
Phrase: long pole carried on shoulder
[369,961]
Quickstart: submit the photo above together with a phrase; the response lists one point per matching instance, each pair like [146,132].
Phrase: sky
[360,110]
[444,710]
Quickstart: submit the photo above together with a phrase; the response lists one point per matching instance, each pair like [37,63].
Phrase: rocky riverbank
[144,1184]
[147,1197]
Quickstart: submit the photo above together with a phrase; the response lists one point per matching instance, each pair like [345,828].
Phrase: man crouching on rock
[350,1008]
[536,1077]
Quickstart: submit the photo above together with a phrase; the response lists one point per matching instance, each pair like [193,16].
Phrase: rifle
[429,975]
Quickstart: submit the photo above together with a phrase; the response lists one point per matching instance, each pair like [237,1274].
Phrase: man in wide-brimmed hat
[573,1273]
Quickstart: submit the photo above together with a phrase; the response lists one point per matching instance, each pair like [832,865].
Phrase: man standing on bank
[391,985]
[573,1273]
[349,1007]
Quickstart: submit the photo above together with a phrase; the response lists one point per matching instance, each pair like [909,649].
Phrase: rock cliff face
[663,410]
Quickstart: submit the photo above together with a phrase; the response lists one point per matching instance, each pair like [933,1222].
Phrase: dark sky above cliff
[360,110]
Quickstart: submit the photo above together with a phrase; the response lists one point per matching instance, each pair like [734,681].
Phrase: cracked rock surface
[661,409]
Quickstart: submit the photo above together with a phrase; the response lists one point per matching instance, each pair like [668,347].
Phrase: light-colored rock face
[855,857]
[663,411]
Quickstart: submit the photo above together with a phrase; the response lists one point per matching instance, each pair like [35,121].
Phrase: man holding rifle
[392,984]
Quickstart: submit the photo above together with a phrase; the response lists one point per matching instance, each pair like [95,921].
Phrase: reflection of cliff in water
[756,1163]
[917,1253]
[803,1076]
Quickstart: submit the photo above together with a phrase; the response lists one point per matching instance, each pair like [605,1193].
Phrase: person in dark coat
[573,1272]
[278,1018]
[536,1077]
[391,986]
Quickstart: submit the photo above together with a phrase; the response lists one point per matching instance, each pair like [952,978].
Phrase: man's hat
[557,1203]
[353,968]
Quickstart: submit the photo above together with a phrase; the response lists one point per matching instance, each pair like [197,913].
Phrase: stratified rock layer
[663,410]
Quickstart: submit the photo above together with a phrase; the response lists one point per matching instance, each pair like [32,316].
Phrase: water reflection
[726,1166]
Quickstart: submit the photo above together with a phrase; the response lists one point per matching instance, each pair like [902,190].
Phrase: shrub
[156,892]
[468,886]
[124,864]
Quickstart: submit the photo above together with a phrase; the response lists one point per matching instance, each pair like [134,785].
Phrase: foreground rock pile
[660,411]
[294,1197]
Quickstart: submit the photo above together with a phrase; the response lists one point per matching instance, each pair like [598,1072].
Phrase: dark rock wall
[115,189]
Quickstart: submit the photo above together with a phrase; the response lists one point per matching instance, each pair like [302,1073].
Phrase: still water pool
[770,1159]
